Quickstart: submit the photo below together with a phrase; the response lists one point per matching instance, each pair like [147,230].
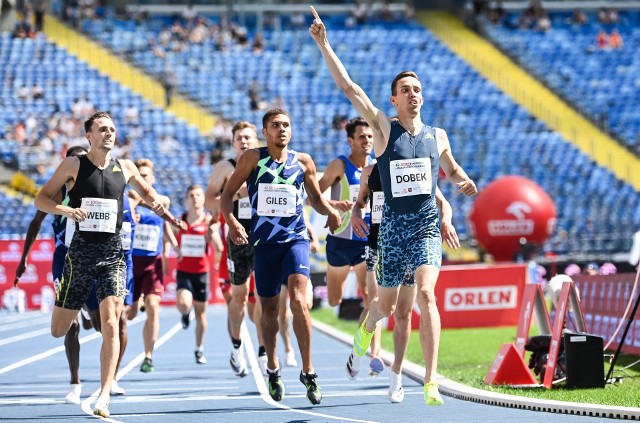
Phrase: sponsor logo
[510,227]
[481,298]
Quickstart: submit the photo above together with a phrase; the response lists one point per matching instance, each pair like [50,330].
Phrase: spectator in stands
[591,268]
[168,145]
[615,40]
[608,269]
[255,100]
[579,18]
[169,79]
[572,270]
[496,14]
[602,39]
[36,91]
[359,12]
[297,20]
[38,16]
[189,15]
[258,44]
[23,93]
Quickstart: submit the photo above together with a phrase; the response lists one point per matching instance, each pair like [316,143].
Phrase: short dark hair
[76,150]
[351,126]
[97,115]
[271,113]
[398,77]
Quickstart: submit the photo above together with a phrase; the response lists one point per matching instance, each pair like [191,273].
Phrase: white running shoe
[101,408]
[73,397]
[353,365]
[238,362]
[290,359]
[262,362]
[117,389]
[396,392]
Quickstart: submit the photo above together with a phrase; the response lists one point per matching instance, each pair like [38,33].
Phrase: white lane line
[264,392]
[86,404]
[24,336]
[46,354]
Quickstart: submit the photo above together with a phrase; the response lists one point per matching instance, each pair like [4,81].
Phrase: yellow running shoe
[431,394]
[362,340]
[101,408]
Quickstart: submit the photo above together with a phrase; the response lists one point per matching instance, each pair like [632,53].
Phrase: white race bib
[103,215]
[244,208]
[192,245]
[410,177]
[125,235]
[146,237]
[69,230]
[276,200]
[376,207]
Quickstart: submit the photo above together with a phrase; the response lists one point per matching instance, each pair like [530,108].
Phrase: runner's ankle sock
[262,351]
[237,343]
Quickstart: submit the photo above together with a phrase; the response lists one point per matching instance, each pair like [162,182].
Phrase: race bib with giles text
[276,200]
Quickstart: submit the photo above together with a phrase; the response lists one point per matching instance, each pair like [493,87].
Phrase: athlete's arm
[452,169]
[154,201]
[317,201]
[32,234]
[447,229]
[333,174]
[217,181]
[374,116]
[358,224]
[46,198]
[244,168]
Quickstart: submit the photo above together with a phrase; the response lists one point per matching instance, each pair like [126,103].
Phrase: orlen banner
[37,279]
[509,209]
[471,296]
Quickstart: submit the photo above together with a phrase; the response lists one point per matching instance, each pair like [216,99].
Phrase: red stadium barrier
[604,299]
[480,295]
[37,280]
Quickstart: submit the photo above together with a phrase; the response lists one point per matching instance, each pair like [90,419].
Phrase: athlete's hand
[314,245]
[317,30]
[238,235]
[467,187]
[449,235]
[342,205]
[22,266]
[180,224]
[333,220]
[157,208]
[359,226]
[77,215]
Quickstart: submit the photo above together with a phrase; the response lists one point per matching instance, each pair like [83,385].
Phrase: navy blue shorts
[274,263]
[345,252]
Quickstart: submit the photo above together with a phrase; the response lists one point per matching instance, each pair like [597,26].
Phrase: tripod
[630,319]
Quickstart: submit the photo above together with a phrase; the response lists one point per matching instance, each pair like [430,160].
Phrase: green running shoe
[314,394]
[276,387]
[431,394]
[147,366]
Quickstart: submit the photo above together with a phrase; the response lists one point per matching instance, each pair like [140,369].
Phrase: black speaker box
[584,360]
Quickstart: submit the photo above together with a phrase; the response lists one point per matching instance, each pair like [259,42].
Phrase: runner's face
[147,174]
[362,141]
[278,131]
[408,96]
[102,135]
[244,139]
[196,198]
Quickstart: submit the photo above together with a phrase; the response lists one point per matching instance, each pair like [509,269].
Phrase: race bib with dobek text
[410,177]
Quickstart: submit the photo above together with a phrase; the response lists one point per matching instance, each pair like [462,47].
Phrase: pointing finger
[315,14]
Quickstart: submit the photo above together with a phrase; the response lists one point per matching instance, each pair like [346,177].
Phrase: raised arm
[451,168]
[375,117]
[244,168]
[358,224]
[317,201]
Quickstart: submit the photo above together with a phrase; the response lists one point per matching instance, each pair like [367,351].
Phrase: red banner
[37,281]
[480,295]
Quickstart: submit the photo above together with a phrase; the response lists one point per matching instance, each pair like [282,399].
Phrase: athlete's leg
[336,277]
[152,324]
[200,309]
[110,311]
[426,278]
[72,349]
[297,284]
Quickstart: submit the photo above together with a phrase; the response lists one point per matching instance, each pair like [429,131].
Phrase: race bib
[102,217]
[146,237]
[69,230]
[192,245]
[244,208]
[376,207]
[276,200]
[125,235]
[410,177]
